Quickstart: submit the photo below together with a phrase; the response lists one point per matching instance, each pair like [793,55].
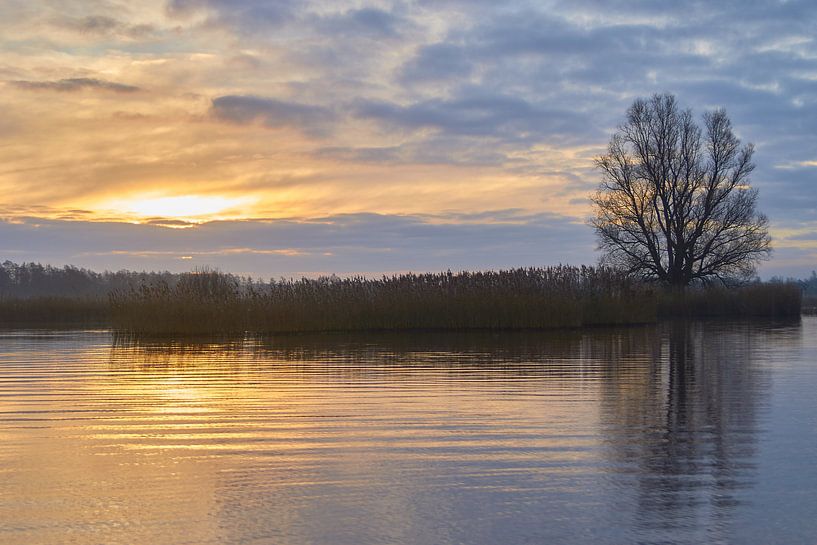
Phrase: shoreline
[185,317]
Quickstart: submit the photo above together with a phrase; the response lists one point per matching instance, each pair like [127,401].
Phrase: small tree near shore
[675,204]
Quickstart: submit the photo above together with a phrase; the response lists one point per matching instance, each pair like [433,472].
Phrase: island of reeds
[212,302]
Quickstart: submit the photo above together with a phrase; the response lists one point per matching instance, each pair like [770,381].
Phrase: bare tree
[675,203]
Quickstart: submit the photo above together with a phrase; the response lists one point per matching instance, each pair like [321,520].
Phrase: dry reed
[209,302]
[550,297]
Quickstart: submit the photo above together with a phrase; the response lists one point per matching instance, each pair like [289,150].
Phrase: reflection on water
[686,430]
[681,433]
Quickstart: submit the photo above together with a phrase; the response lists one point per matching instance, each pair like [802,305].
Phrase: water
[699,433]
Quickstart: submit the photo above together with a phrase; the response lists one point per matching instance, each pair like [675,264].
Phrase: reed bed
[211,302]
[774,300]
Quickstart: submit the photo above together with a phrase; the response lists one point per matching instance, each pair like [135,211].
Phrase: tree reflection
[686,430]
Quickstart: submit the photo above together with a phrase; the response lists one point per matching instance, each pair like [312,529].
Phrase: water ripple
[680,433]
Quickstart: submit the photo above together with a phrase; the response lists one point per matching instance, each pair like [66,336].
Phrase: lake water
[696,433]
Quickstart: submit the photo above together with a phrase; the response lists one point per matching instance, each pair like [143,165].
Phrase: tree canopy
[675,203]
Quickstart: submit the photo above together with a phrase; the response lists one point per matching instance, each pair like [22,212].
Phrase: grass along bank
[535,298]
[209,302]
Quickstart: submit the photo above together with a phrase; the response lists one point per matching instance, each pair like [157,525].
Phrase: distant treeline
[28,280]
[205,302]
[32,294]
[809,286]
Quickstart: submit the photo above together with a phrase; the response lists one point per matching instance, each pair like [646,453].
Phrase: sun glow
[187,206]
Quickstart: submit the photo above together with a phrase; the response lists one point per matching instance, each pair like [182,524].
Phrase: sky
[288,138]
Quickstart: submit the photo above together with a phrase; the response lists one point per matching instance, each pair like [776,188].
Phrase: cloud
[252,16]
[239,15]
[811,236]
[96,24]
[474,112]
[364,154]
[76,84]
[441,150]
[104,26]
[349,243]
[451,105]
[368,20]
[437,62]
[274,113]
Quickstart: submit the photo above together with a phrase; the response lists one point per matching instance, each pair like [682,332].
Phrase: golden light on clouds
[199,110]
[185,207]
[186,123]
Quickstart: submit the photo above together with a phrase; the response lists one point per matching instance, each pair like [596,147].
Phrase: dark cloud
[273,113]
[167,222]
[349,243]
[76,84]
[104,26]
[262,15]
[97,24]
[791,193]
[474,112]
[437,62]
[239,15]
[369,21]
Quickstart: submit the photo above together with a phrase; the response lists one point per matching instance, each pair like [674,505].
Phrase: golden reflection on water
[413,438]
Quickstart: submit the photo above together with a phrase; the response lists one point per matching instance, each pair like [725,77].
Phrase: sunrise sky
[288,138]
